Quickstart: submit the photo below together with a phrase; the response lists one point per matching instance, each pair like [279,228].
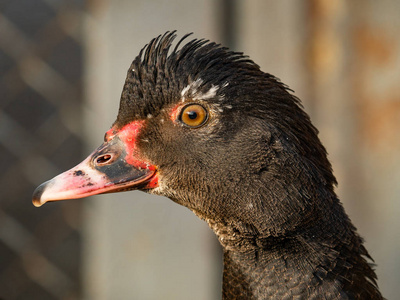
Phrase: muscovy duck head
[207,128]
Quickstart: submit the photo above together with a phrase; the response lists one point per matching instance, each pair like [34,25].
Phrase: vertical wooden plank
[375,76]
[353,62]
[329,87]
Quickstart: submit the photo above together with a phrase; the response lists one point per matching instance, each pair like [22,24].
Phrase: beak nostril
[103,159]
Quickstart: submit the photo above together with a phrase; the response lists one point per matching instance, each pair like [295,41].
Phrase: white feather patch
[192,91]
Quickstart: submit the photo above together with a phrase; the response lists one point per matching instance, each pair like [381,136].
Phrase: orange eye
[194,115]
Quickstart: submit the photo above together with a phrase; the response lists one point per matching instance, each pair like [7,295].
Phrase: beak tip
[37,195]
[36,202]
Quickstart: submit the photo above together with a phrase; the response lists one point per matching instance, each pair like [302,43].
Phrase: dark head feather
[157,76]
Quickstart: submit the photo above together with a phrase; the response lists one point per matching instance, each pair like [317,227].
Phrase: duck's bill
[106,170]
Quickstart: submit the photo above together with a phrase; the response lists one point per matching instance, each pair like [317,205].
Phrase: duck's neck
[262,274]
[258,275]
[302,266]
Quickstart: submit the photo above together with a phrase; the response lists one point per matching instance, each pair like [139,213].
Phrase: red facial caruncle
[129,135]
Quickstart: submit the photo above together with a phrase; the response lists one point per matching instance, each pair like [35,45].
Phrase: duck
[204,126]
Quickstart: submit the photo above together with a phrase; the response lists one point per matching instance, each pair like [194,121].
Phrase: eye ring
[193,115]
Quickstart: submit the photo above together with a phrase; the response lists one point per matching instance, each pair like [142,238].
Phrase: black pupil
[192,115]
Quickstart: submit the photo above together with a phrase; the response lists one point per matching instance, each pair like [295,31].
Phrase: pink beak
[111,168]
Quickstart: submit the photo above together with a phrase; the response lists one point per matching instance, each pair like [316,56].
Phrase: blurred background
[62,67]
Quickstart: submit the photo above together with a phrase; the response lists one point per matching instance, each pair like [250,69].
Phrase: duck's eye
[194,115]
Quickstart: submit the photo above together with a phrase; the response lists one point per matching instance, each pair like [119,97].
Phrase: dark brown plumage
[254,170]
